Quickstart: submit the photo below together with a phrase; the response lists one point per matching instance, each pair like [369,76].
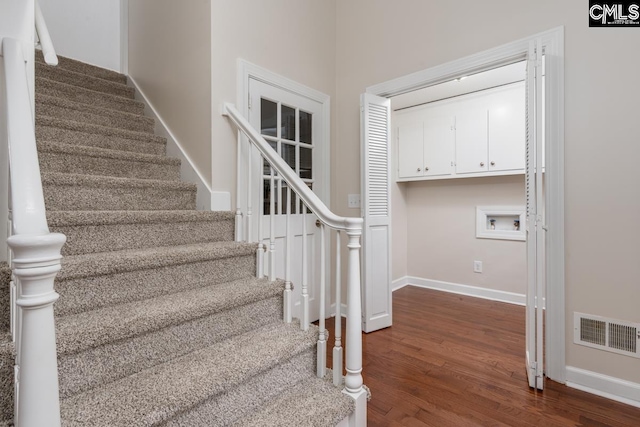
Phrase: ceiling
[473,83]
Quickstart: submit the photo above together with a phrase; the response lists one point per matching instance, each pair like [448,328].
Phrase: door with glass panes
[292,125]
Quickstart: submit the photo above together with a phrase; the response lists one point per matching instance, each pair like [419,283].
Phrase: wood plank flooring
[452,360]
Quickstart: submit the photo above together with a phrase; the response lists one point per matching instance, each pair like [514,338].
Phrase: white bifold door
[376,210]
[536,280]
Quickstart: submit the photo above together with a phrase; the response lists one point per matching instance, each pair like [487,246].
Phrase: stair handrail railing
[352,226]
[34,254]
[48,51]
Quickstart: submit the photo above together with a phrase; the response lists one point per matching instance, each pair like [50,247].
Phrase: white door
[410,150]
[438,145]
[292,124]
[506,128]
[376,210]
[536,280]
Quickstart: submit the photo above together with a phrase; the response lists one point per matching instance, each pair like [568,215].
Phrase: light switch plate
[353,201]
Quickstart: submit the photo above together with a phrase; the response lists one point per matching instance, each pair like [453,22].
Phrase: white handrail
[299,187]
[35,256]
[26,187]
[48,50]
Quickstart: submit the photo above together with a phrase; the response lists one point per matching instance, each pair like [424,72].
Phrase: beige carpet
[160,319]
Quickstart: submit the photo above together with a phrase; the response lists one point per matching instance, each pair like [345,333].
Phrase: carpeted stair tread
[103,263]
[65,191]
[158,394]
[97,366]
[83,80]
[318,403]
[77,218]
[43,120]
[75,133]
[84,68]
[63,158]
[101,231]
[52,106]
[241,401]
[94,328]
[86,283]
[86,96]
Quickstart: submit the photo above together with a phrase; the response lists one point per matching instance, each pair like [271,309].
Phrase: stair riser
[87,96]
[80,67]
[248,396]
[81,198]
[87,82]
[129,122]
[98,366]
[67,136]
[111,289]
[66,162]
[102,238]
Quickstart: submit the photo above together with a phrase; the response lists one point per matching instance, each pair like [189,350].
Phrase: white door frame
[247,71]
[553,43]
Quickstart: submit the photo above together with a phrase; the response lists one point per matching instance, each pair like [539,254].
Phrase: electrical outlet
[353,201]
[477,266]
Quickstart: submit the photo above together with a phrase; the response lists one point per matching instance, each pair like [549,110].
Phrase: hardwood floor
[452,360]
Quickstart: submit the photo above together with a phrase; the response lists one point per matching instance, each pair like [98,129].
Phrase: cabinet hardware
[481,163]
[418,170]
[426,168]
[493,163]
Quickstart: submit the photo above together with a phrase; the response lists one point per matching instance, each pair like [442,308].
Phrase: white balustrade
[35,255]
[42,31]
[272,229]
[353,383]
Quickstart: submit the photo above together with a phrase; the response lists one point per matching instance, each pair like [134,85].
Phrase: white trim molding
[456,288]
[623,391]
[188,170]
[553,44]
[124,36]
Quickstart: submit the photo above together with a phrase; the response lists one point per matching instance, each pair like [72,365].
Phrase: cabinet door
[438,146]
[471,140]
[507,129]
[410,150]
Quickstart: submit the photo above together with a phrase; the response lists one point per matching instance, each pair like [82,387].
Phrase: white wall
[170,60]
[87,30]
[441,237]
[602,198]
[293,38]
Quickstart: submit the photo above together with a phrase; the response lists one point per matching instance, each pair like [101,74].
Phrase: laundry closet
[458,191]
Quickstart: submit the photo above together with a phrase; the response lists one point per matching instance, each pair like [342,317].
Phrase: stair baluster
[261,246]
[272,229]
[322,333]
[337,346]
[288,317]
[304,324]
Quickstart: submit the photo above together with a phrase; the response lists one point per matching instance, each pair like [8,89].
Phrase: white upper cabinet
[471,139]
[438,145]
[480,134]
[507,129]
[411,149]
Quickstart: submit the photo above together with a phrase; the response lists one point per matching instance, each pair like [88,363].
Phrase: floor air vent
[607,334]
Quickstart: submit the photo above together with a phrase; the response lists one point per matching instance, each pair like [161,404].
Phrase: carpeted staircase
[160,320]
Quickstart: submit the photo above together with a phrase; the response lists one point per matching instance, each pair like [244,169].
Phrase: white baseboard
[399,283]
[455,288]
[343,310]
[188,171]
[602,385]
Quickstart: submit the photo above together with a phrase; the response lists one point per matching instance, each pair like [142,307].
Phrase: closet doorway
[542,228]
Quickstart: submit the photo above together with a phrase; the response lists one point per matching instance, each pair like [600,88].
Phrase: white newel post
[36,262]
[353,379]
